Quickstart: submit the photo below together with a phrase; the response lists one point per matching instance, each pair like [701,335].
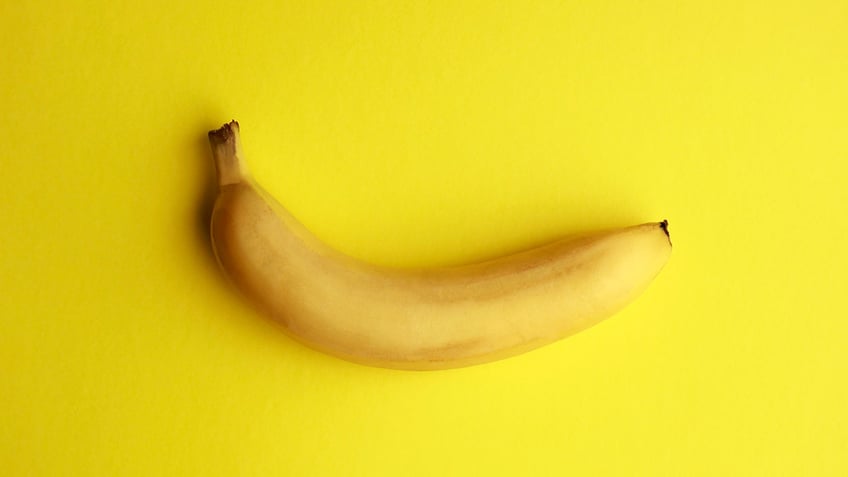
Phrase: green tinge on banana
[419,319]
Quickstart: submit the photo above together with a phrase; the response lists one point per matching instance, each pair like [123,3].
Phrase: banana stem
[226,150]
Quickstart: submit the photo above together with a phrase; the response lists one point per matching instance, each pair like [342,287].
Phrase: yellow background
[425,133]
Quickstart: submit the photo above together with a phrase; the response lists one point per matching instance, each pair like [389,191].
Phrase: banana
[418,319]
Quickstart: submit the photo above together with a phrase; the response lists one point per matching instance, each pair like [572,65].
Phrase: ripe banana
[418,319]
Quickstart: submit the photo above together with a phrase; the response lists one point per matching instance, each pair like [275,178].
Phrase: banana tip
[225,133]
[664,227]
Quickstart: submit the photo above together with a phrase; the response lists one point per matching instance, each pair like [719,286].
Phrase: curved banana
[418,319]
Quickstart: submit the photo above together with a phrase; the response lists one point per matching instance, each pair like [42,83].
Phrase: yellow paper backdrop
[425,133]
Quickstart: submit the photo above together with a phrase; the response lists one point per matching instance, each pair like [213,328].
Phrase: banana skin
[418,319]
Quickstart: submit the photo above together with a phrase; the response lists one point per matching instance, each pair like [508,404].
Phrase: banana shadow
[208,191]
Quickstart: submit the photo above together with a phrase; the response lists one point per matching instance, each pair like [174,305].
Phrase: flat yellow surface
[425,133]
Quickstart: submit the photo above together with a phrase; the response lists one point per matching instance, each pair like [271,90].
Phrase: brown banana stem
[227,152]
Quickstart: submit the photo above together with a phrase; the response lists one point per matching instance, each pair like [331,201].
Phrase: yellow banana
[418,319]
